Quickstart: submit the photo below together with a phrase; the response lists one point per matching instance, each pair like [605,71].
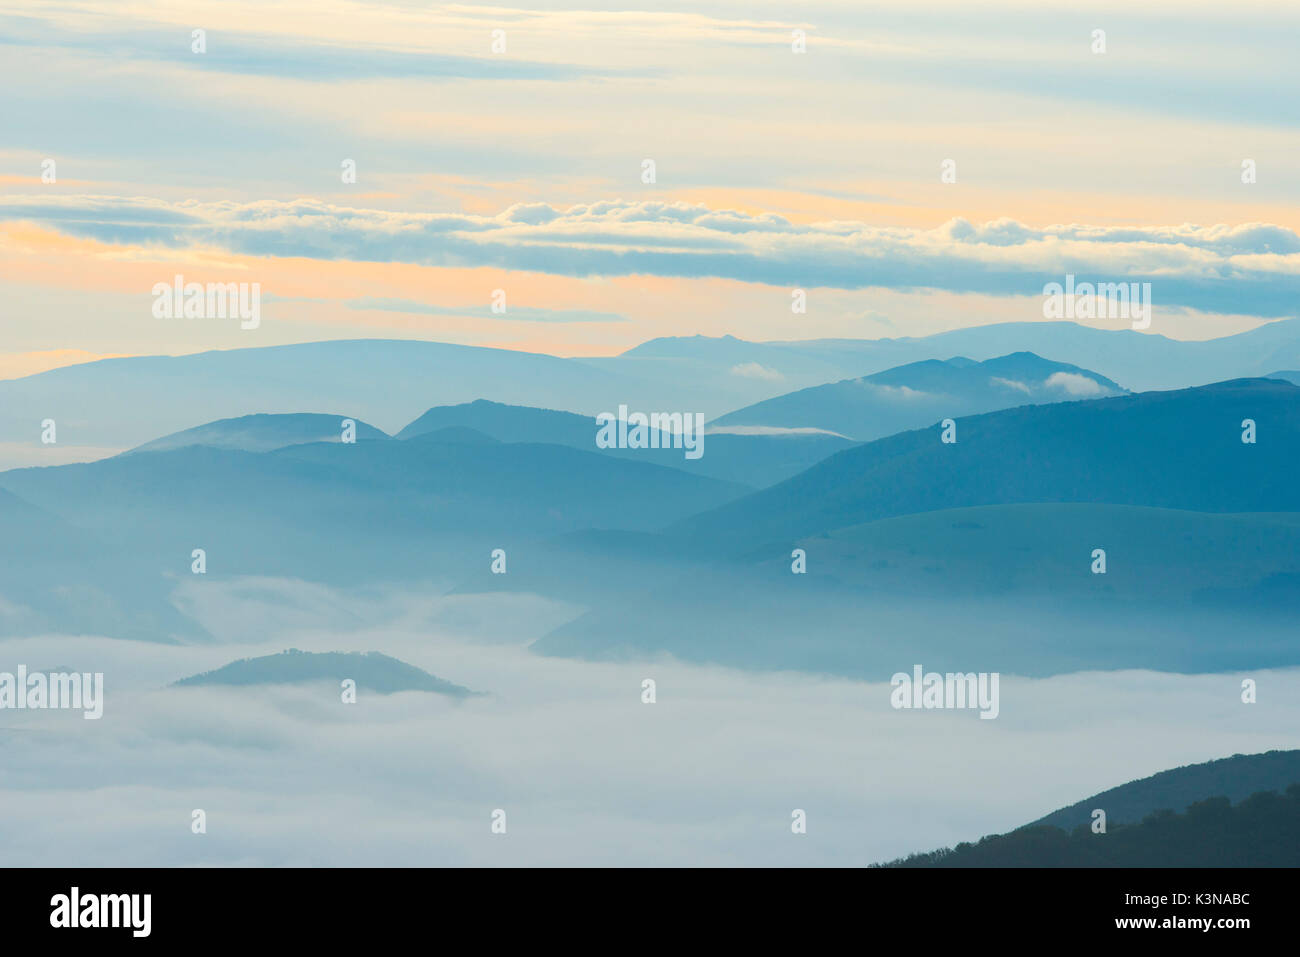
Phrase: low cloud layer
[586,773]
[1250,269]
[1075,384]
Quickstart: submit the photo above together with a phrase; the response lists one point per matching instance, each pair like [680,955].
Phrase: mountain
[482,487]
[756,460]
[1242,811]
[371,671]
[263,433]
[457,435]
[61,578]
[21,516]
[114,404]
[122,403]
[1142,361]
[1292,377]
[921,393]
[995,588]
[1179,449]
[1262,831]
[1026,551]
[508,423]
[1236,777]
[350,514]
[755,370]
[906,543]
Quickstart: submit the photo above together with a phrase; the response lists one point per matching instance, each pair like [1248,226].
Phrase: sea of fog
[586,773]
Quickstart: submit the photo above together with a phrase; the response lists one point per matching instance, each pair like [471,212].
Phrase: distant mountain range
[97,547]
[123,403]
[265,433]
[1180,818]
[1179,449]
[59,577]
[906,540]
[1137,360]
[756,460]
[922,393]
[116,404]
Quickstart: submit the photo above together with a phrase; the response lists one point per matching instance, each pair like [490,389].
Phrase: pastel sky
[522,170]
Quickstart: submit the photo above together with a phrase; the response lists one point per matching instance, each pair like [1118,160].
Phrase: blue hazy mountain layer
[1179,449]
[60,577]
[1139,361]
[757,460]
[122,403]
[973,556]
[265,433]
[918,394]
[122,530]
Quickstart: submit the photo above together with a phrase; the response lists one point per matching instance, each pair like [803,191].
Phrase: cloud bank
[1251,269]
[587,774]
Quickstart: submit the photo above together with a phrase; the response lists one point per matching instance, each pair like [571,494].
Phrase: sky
[516,161]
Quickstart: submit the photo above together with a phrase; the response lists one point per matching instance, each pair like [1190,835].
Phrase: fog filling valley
[586,773]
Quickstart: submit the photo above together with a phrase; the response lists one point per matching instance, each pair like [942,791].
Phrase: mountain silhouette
[756,460]
[1179,818]
[376,511]
[918,394]
[905,541]
[1236,778]
[122,403]
[1180,449]
[264,433]
[1141,361]
[371,671]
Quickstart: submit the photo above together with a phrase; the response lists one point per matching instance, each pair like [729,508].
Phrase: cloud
[1011,384]
[297,58]
[901,392]
[770,430]
[754,370]
[586,773]
[1074,384]
[1250,269]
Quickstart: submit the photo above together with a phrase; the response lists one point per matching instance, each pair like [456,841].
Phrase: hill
[264,433]
[122,403]
[123,530]
[371,671]
[1180,449]
[1142,361]
[59,578]
[1261,831]
[755,460]
[1236,778]
[116,404]
[921,393]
